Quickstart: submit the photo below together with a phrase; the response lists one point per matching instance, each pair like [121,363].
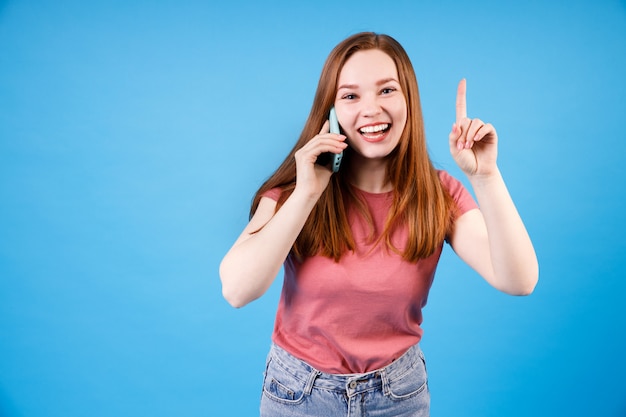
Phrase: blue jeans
[292,388]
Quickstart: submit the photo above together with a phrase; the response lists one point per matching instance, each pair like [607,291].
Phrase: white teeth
[374,129]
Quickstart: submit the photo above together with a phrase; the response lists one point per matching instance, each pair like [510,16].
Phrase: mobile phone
[328,157]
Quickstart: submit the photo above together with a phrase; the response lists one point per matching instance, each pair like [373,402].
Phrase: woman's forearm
[513,257]
[254,261]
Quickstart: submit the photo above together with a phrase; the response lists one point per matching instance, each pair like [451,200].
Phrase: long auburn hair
[420,202]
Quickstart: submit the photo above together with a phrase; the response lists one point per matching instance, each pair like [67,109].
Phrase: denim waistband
[349,383]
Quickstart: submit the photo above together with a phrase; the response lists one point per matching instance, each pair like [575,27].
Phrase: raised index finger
[461,105]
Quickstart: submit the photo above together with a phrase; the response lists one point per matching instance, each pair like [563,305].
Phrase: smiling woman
[360,246]
[134,134]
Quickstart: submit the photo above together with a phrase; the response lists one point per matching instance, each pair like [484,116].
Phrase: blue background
[133,135]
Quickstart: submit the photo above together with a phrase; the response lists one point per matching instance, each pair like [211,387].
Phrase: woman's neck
[369,175]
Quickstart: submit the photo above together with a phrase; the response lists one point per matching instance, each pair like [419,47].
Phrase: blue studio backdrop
[133,135]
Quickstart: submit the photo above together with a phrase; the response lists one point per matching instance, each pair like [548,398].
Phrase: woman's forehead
[368,67]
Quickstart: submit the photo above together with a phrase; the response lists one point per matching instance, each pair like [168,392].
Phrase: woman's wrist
[485,179]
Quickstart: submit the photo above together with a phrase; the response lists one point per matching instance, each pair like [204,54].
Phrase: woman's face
[370,105]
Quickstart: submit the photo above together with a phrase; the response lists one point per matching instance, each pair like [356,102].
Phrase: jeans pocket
[409,384]
[281,386]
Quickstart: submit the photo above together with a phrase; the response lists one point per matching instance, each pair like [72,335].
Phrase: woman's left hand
[473,143]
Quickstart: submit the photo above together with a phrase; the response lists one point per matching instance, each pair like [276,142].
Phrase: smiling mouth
[375,132]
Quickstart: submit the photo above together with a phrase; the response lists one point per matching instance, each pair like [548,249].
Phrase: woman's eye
[349,96]
[388,90]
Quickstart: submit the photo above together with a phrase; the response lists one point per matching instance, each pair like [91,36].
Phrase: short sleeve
[274,193]
[464,200]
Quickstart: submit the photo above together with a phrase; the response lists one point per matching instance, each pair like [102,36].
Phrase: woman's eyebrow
[386,80]
[355,86]
[348,86]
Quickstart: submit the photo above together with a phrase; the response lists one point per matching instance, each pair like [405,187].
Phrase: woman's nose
[370,106]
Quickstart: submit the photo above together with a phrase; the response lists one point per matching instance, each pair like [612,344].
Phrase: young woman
[360,246]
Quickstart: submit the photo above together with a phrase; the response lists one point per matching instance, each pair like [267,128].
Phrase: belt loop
[309,383]
[385,381]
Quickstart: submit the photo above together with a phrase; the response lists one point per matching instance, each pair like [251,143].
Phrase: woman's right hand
[311,178]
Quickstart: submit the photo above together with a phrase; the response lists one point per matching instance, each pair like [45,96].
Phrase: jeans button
[353,384]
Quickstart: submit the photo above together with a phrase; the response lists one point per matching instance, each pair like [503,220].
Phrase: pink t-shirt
[365,311]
